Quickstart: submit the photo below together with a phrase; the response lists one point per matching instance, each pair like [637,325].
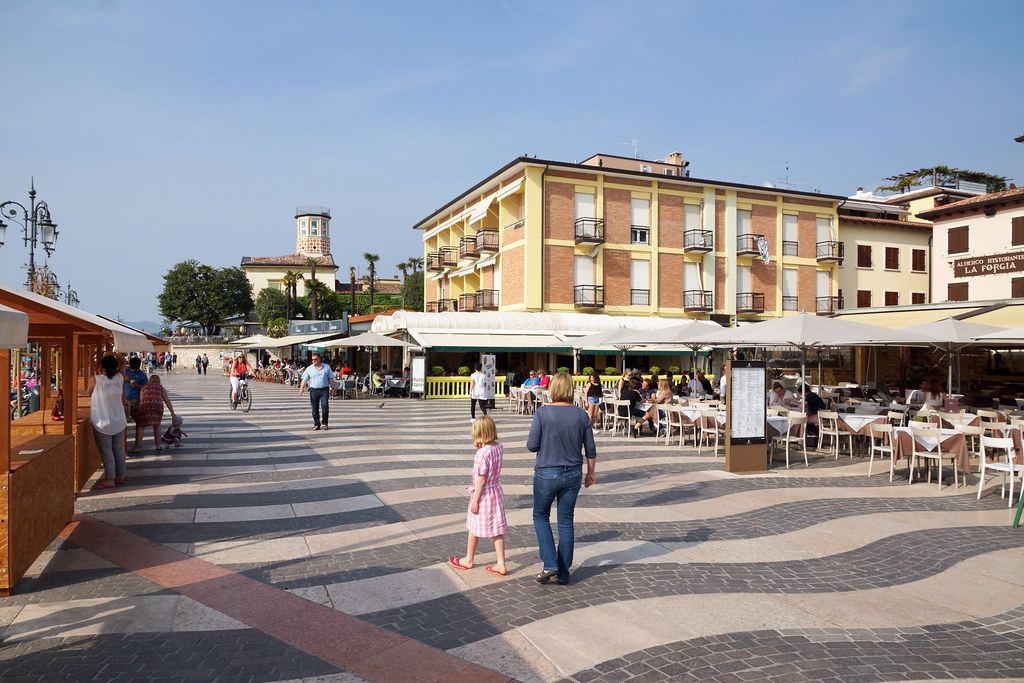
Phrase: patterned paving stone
[944,651]
[239,655]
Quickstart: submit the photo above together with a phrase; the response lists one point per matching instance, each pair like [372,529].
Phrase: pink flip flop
[495,571]
[454,561]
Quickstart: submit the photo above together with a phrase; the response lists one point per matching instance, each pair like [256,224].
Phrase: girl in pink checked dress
[486,516]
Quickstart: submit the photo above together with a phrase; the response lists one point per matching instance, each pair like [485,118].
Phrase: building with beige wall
[312,240]
[979,247]
[887,254]
[630,237]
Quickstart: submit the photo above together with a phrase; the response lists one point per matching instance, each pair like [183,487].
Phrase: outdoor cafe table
[395,384]
[961,419]
[952,441]
[777,425]
[858,423]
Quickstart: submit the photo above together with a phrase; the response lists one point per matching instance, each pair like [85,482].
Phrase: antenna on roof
[786,181]
[632,142]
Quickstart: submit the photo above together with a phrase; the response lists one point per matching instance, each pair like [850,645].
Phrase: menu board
[418,369]
[748,391]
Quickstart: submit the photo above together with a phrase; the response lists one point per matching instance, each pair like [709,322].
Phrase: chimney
[675,158]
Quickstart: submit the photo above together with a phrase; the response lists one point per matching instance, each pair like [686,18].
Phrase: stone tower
[312,230]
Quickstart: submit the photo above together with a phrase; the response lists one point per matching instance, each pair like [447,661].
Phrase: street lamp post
[71,297]
[36,225]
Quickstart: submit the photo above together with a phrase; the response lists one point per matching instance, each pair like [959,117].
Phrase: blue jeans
[318,402]
[550,484]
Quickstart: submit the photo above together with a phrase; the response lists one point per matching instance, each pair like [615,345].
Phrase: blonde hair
[663,385]
[484,430]
[561,388]
[154,379]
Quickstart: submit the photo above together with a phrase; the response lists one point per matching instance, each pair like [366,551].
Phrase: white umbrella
[951,335]
[805,331]
[1013,335]
[681,335]
[613,338]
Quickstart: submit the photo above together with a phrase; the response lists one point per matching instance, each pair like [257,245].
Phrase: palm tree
[352,290]
[403,266]
[414,262]
[372,260]
[289,279]
[312,263]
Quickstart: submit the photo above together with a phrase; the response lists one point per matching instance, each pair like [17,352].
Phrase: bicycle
[244,395]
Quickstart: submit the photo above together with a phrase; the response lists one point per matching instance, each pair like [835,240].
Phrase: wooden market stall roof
[52,318]
[159,343]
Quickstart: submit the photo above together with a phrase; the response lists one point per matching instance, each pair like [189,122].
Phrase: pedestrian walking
[151,411]
[206,362]
[486,515]
[199,365]
[320,380]
[477,391]
[108,411]
[561,436]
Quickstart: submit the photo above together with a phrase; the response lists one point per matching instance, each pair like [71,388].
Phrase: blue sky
[162,131]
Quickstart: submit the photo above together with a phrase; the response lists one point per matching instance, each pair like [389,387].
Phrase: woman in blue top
[560,436]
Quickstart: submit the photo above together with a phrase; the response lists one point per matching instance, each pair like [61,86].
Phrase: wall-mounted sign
[989,265]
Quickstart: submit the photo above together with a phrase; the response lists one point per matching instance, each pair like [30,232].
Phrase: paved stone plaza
[264,551]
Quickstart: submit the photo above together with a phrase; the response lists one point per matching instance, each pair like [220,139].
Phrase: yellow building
[630,237]
[312,240]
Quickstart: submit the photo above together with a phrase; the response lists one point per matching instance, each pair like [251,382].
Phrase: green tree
[404,267]
[372,260]
[942,176]
[414,262]
[312,263]
[278,328]
[198,293]
[412,291]
[290,280]
[324,298]
[271,303]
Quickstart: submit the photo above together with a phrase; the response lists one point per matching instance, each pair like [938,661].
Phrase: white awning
[289,340]
[510,189]
[13,328]
[125,339]
[465,270]
[437,276]
[483,263]
[482,341]
[480,210]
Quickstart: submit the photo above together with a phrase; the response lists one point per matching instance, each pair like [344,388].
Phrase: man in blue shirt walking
[134,380]
[320,380]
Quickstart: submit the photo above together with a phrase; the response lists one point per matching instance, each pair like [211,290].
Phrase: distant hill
[145,325]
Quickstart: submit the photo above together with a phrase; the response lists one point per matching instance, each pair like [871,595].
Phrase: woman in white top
[108,411]
[477,390]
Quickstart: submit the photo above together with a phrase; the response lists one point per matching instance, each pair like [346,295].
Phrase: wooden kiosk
[746,413]
[45,462]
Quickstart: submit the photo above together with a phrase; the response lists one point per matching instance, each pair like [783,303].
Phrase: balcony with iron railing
[442,305]
[697,300]
[640,297]
[826,305]
[467,248]
[434,261]
[830,251]
[487,300]
[790,248]
[790,303]
[746,244]
[589,231]
[467,302]
[449,256]
[487,240]
[698,241]
[588,296]
[750,302]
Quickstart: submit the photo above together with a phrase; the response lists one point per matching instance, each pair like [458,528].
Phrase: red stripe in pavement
[369,651]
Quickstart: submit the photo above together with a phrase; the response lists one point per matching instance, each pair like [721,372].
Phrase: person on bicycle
[240,368]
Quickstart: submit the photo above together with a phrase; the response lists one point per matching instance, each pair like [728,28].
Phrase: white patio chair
[882,444]
[992,460]
[616,418]
[797,423]
[708,426]
[931,436]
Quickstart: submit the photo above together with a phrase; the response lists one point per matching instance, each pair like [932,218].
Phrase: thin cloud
[873,68]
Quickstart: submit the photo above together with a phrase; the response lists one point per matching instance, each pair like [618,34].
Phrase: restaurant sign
[989,265]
